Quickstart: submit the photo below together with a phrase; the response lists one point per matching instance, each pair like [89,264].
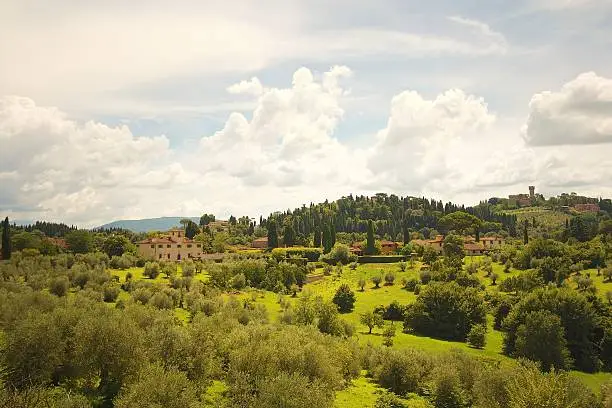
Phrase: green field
[362,389]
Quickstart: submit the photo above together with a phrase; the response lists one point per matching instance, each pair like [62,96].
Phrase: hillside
[148,224]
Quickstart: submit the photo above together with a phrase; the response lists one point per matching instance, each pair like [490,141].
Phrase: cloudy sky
[115,109]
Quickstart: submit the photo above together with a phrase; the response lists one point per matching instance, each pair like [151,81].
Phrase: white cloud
[498,40]
[580,113]
[250,87]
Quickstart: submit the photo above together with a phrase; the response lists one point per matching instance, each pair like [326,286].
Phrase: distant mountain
[149,224]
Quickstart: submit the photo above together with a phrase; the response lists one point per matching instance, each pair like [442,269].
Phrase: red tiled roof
[473,247]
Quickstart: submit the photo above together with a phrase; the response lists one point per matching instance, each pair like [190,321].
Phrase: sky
[126,110]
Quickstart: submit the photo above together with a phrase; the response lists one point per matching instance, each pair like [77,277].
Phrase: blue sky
[126,110]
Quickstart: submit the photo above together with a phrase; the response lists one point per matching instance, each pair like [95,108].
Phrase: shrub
[388,335]
[376,280]
[344,298]
[425,276]
[389,278]
[151,270]
[477,336]
[361,283]
[340,253]
[353,266]
[417,289]
[59,286]
[381,258]
[411,284]
[110,293]
[402,266]
[161,301]
[451,318]
[327,269]
[238,281]
[389,400]
[189,268]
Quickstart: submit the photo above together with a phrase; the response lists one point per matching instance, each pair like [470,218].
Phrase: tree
[525,233]
[370,249]
[494,276]
[541,339]
[371,320]
[578,322]
[158,387]
[79,241]
[317,238]
[59,286]
[289,236]
[477,336]
[429,255]
[460,222]
[117,245]
[446,310]
[389,400]
[453,247]
[389,278]
[344,298]
[389,334]
[151,270]
[376,280]
[607,274]
[6,239]
[220,241]
[191,229]
[327,239]
[206,219]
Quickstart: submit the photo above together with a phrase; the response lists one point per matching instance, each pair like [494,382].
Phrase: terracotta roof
[262,239]
[489,238]
[473,247]
[166,240]
[388,243]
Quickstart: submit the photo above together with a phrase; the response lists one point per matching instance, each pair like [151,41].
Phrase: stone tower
[532,192]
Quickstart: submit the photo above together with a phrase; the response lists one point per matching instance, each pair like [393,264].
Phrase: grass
[362,392]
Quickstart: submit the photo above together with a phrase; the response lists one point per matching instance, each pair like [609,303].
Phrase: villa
[171,246]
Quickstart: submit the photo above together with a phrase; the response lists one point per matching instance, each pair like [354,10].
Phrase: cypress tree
[477,233]
[272,235]
[370,240]
[6,239]
[406,232]
[525,235]
[289,236]
[317,237]
[332,234]
[326,238]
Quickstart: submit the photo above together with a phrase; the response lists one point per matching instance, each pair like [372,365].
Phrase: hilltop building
[470,246]
[525,200]
[586,208]
[172,246]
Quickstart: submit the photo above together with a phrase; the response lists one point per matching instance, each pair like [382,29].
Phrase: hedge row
[312,254]
[381,258]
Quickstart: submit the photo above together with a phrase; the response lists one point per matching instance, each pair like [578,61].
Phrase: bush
[151,270]
[59,286]
[389,400]
[477,336]
[161,301]
[110,293]
[389,278]
[376,280]
[353,266]
[327,269]
[402,266]
[425,276]
[411,284]
[446,310]
[344,298]
[340,253]
[188,268]
[238,281]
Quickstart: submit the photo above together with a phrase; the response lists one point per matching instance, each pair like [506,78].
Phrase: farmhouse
[470,246]
[388,247]
[260,243]
[172,246]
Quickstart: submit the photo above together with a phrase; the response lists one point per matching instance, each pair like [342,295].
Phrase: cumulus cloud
[59,166]
[419,146]
[250,87]
[580,113]
[289,140]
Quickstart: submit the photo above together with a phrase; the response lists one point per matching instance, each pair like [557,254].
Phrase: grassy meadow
[362,389]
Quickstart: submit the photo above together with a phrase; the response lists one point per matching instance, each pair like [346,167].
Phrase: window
[160,256]
[168,256]
[160,246]
[198,245]
[188,255]
[178,257]
[188,245]
[168,246]
[153,246]
[178,246]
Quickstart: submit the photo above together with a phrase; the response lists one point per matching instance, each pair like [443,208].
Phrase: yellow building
[173,246]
